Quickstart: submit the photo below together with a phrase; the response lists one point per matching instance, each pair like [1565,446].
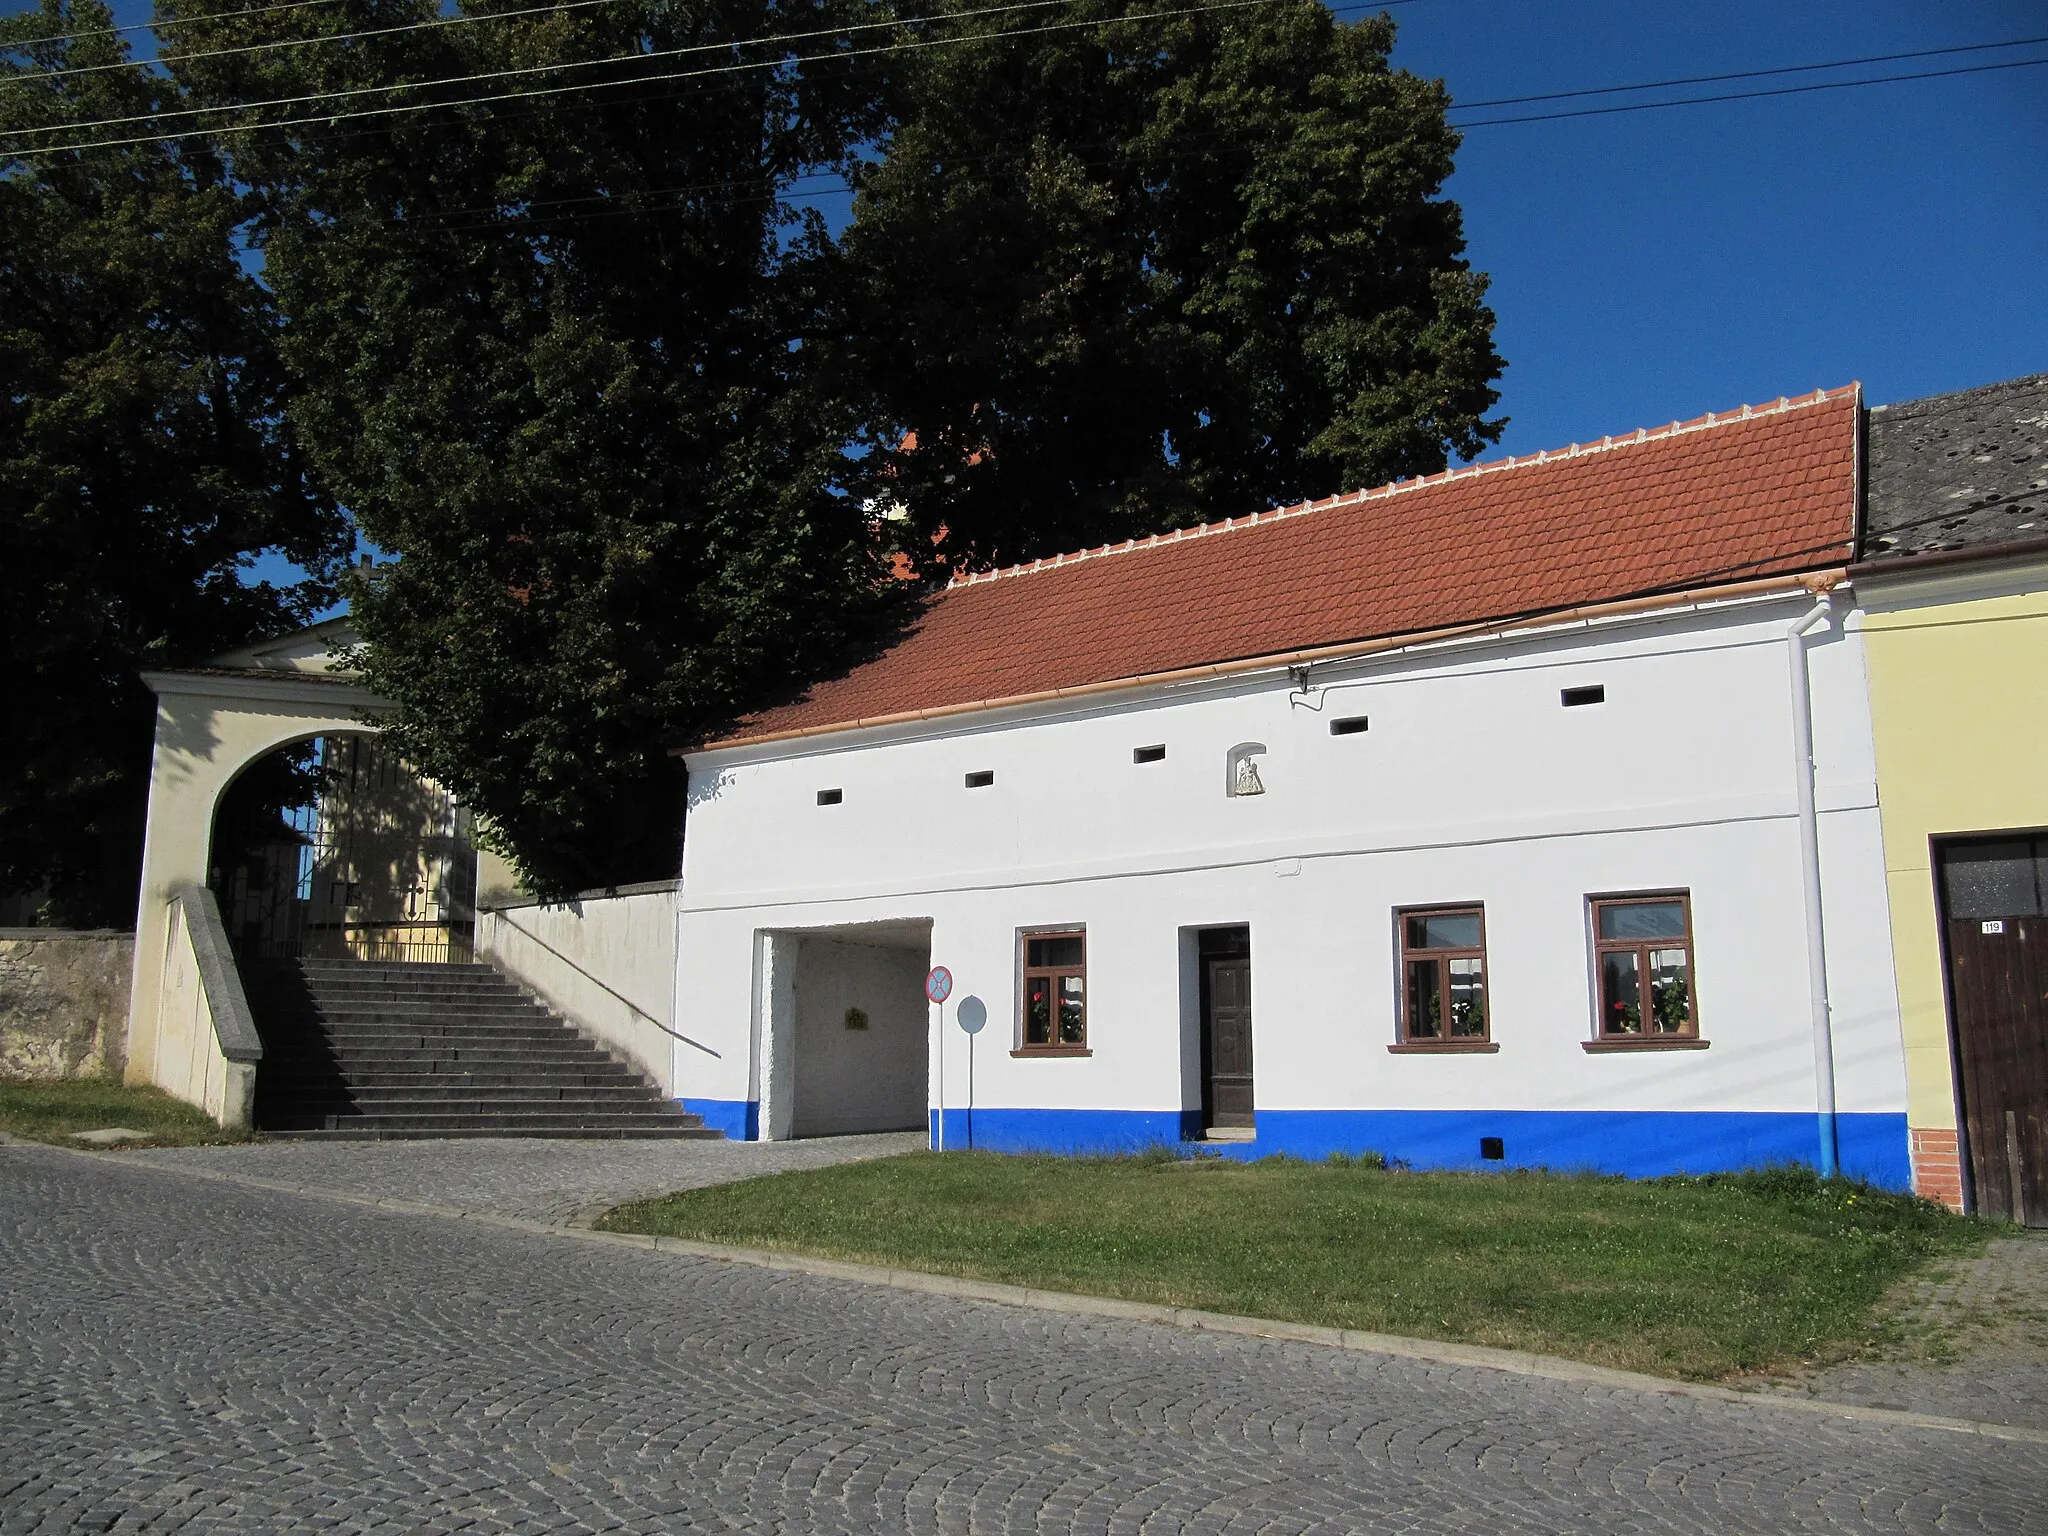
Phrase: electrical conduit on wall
[1796,636]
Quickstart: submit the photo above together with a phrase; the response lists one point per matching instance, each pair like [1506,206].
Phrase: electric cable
[589,85]
[457,21]
[1752,74]
[20,150]
[1787,90]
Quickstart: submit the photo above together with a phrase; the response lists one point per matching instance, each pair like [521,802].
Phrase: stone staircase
[360,1050]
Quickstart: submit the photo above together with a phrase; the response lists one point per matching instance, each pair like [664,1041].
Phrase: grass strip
[1699,1278]
[42,1111]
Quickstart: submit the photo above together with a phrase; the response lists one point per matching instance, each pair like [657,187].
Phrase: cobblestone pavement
[553,1181]
[1973,1343]
[182,1354]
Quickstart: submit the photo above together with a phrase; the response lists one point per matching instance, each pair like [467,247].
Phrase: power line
[1754,74]
[1055,27]
[590,85]
[168,21]
[1786,90]
[458,21]
[537,69]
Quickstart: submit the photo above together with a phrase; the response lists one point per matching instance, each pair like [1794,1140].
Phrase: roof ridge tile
[1606,444]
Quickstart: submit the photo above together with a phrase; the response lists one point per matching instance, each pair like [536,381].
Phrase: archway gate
[212,723]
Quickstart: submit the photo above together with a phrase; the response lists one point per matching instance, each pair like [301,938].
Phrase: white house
[1467,820]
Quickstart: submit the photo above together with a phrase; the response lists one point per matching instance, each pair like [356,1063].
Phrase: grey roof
[1958,471]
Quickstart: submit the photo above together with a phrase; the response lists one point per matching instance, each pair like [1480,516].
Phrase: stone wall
[63,1001]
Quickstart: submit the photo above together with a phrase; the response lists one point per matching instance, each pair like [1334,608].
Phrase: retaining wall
[63,1001]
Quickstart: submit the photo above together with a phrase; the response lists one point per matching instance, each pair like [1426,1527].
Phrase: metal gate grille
[379,867]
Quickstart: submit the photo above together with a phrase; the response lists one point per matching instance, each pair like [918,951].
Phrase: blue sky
[1650,266]
[1654,265]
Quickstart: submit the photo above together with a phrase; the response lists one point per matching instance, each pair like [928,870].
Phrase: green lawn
[52,1111]
[1699,1277]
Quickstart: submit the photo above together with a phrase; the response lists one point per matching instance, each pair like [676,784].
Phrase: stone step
[465,1119]
[389,1099]
[370,1050]
[505,1131]
[610,1074]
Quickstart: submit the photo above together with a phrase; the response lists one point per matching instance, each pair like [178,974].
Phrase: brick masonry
[1937,1166]
[63,1002]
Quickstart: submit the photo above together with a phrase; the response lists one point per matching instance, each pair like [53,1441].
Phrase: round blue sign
[938,986]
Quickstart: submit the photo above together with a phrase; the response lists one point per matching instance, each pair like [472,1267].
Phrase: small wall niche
[981,778]
[1592,693]
[1349,725]
[1155,754]
[1241,776]
[831,796]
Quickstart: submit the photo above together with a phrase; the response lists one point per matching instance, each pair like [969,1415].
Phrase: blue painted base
[740,1119]
[1639,1143]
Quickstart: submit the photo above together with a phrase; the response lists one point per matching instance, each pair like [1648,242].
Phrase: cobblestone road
[541,1180]
[179,1354]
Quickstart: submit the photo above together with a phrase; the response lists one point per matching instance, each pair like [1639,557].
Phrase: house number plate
[1995,925]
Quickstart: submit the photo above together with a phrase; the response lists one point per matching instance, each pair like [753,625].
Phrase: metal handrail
[607,986]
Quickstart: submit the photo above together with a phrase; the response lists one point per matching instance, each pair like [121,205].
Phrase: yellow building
[1954,595]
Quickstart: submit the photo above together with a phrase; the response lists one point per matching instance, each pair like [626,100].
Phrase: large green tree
[553,353]
[143,458]
[639,430]
[1113,279]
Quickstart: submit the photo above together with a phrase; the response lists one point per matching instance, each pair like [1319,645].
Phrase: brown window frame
[1446,1043]
[1604,1040]
[1052,974]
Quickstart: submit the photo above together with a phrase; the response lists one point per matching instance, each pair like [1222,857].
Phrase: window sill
[1051,1050]
[1620,1044]
[1442,1048]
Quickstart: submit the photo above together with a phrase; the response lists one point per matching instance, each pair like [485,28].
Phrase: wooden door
[1998,994]
[1227,1029]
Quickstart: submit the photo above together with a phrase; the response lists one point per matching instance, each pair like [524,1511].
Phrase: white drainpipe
[1809,869]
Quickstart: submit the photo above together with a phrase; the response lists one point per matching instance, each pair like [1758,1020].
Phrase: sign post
[938,986]
[972,1014]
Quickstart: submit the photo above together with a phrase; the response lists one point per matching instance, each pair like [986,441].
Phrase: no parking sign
[938,986]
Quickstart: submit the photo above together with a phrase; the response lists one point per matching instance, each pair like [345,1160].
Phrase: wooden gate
[1993,896]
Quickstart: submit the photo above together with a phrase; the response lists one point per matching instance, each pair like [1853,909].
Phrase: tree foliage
[643,431]
[551,354]
[1115,279]
[143,459]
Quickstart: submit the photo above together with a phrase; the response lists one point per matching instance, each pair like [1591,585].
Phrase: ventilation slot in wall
[1573,697]
[981,778]
[1351,725]
[831,796]
[1148,754]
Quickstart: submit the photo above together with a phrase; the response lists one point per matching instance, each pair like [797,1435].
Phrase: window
[1148,754]
[1055,994]
[1642,948]
[1443,980]
[1572,698]
[1350,725]
[981,778]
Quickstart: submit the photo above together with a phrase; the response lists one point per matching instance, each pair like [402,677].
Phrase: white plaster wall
[1472,784]
[858,1080]
[605,963]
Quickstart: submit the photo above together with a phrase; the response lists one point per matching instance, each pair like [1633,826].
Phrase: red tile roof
[1763,491]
